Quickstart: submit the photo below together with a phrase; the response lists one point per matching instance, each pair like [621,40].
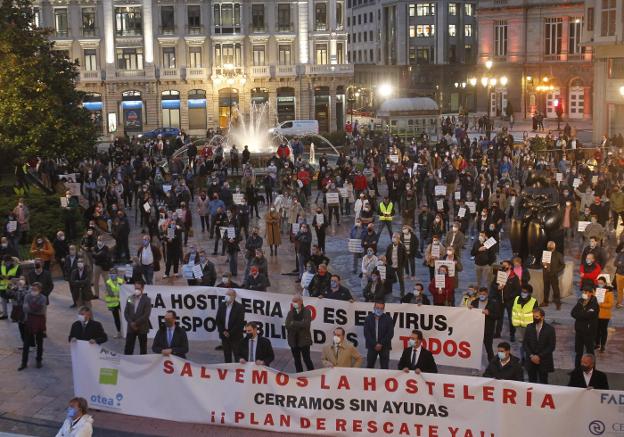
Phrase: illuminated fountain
[253,132]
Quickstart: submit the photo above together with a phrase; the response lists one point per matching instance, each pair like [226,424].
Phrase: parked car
[296,128]
[165,132]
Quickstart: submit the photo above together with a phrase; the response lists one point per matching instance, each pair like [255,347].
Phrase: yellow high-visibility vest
[386,211]
[112,298]
[5,277]
[522,315]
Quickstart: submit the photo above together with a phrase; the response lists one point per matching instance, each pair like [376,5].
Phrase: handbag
[17,313]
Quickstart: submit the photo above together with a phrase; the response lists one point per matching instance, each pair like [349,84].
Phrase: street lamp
[385,90]
[488,64]
[622,91]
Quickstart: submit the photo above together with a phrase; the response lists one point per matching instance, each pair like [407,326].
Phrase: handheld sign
[238,198]
[320,219]
[462,212]
[382,272]
[343,192]
[187,271]
[440,190]
[546,256]
[440,281]
[501,277]
[12,226]
[472,207]
[594,179]
[231,232]
[394,158]
[600,294]
[146,207]
[295,228]
[457,195]
[489,242]
[166,188]
[582,225]
[435,250]
[440,205]
[559,177]
[197,271]
[576,182]
[355,245]
[450,266]
[332,198]
[64,203]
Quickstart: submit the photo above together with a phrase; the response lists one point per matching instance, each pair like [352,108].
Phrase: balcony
[259,71]
[170,73]
[196,73]
[285,70]
[329,69]
[90,76]
[195,30]
[224,71]
[167,30]
[129,73]
[61,33]
[89,32]
[285,27]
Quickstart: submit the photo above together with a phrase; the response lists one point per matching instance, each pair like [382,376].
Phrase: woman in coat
[273,236]
[297,324]
[443,296]
[34,324]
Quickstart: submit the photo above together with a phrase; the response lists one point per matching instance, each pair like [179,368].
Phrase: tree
[41,111]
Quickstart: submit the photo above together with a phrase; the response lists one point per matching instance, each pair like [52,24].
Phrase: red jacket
[359,183]
[591,276]
[442,297]
[283,152]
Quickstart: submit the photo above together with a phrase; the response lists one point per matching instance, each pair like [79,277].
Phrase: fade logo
[596,427]
[108,355]
[105,401]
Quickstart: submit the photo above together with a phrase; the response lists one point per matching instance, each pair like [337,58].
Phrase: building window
[590,19]
[193,19]
[616,68]
[424,55]
[365,18]
[130,59]
[258,55]
[227,17]
[425,30]
[500,39]
[468,30]
[339,16]
[283,17]
[451,30]
[553,32]
[452,9]
[90,60]
[468,9]
[371,56]
[228,54]
[167,20]
[425,9]
[61,25]
[284,56]
[340,53]
[169,57]
[195,57]
[36,17]
[321,54]
[574,43]
[257,17]
[128,21]
[468,53]
[88,22]
[370,35]
[412,31]
[412,10]
[320,16]
[607,18]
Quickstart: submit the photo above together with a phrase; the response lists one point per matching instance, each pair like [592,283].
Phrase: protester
[254,348]
[34,324]
[78,422]
[539,345]
[416,357]
[587,376]
[585,314]
[340,352]
[85,328]
[230,324]
[378,334]
[504,365]
[170,338]
[137,313]
[299,335]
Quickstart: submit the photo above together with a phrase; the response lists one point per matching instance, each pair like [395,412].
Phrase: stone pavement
[33,402]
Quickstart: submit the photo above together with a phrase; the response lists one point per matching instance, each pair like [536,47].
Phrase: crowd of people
[445,204]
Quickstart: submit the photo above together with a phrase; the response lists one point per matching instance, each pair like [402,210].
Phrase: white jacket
[83,428]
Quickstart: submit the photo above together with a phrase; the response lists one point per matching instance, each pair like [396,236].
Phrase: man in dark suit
[396,259]
[585,314]
[378,333]
[551,273]
[505,365]
[539,345]
[85,328]
[209,273]
[171,339]
[416,357]
[490,308]
[254,348]
[586,375]
[230,322]
[137,313]
[506,295]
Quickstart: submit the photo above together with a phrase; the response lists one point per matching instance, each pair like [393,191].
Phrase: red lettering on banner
[168,367]
[302,381]
[284,421]
[405,339]
[449,391]
[370,383]
[433,431]
[371,426]
[548,401]
[468,433]
[434,346]
[252,419]
[430,384]
[204,373]
[388,428]
[488,393]
[357,425]
[467,394]
[411,386]
[268,420]
[187,370]
[282,379]
[312,311]
[323,385]
[391,385]
[404,429]
[529,397]
[453,431]
[240,376]
[321,424]
[222,373]
[259,377]
[238,416]
[304,423]
[341,425]
[343,382]
[509,396]
[450,348]
[464,349]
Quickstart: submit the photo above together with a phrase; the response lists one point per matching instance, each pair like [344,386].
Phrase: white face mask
[137,292]
[336,339]
[225,280]
[411,342]
[229,299]
[81,318]
[585,296]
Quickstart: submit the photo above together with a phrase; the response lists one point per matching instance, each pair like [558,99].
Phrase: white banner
[338,401]
[453,335]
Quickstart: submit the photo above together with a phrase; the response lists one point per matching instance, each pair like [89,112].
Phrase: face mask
[71,412]
[471,292]
[370,252]
[416,293]
[524,295]
[137,292]
[202,259]
[81,318]
[145,243]
[80,265]
[61,238]
[585,368]
[455,228]
[435,242]
[584,296]
[501,355]
[334,284]
[378,312]
[589,261]
[536,321]
[411,342]
[336,339]
[482,239]
[39,241]
[100,244]
[249,335]
[296,306]
[37,266]
[482,298]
